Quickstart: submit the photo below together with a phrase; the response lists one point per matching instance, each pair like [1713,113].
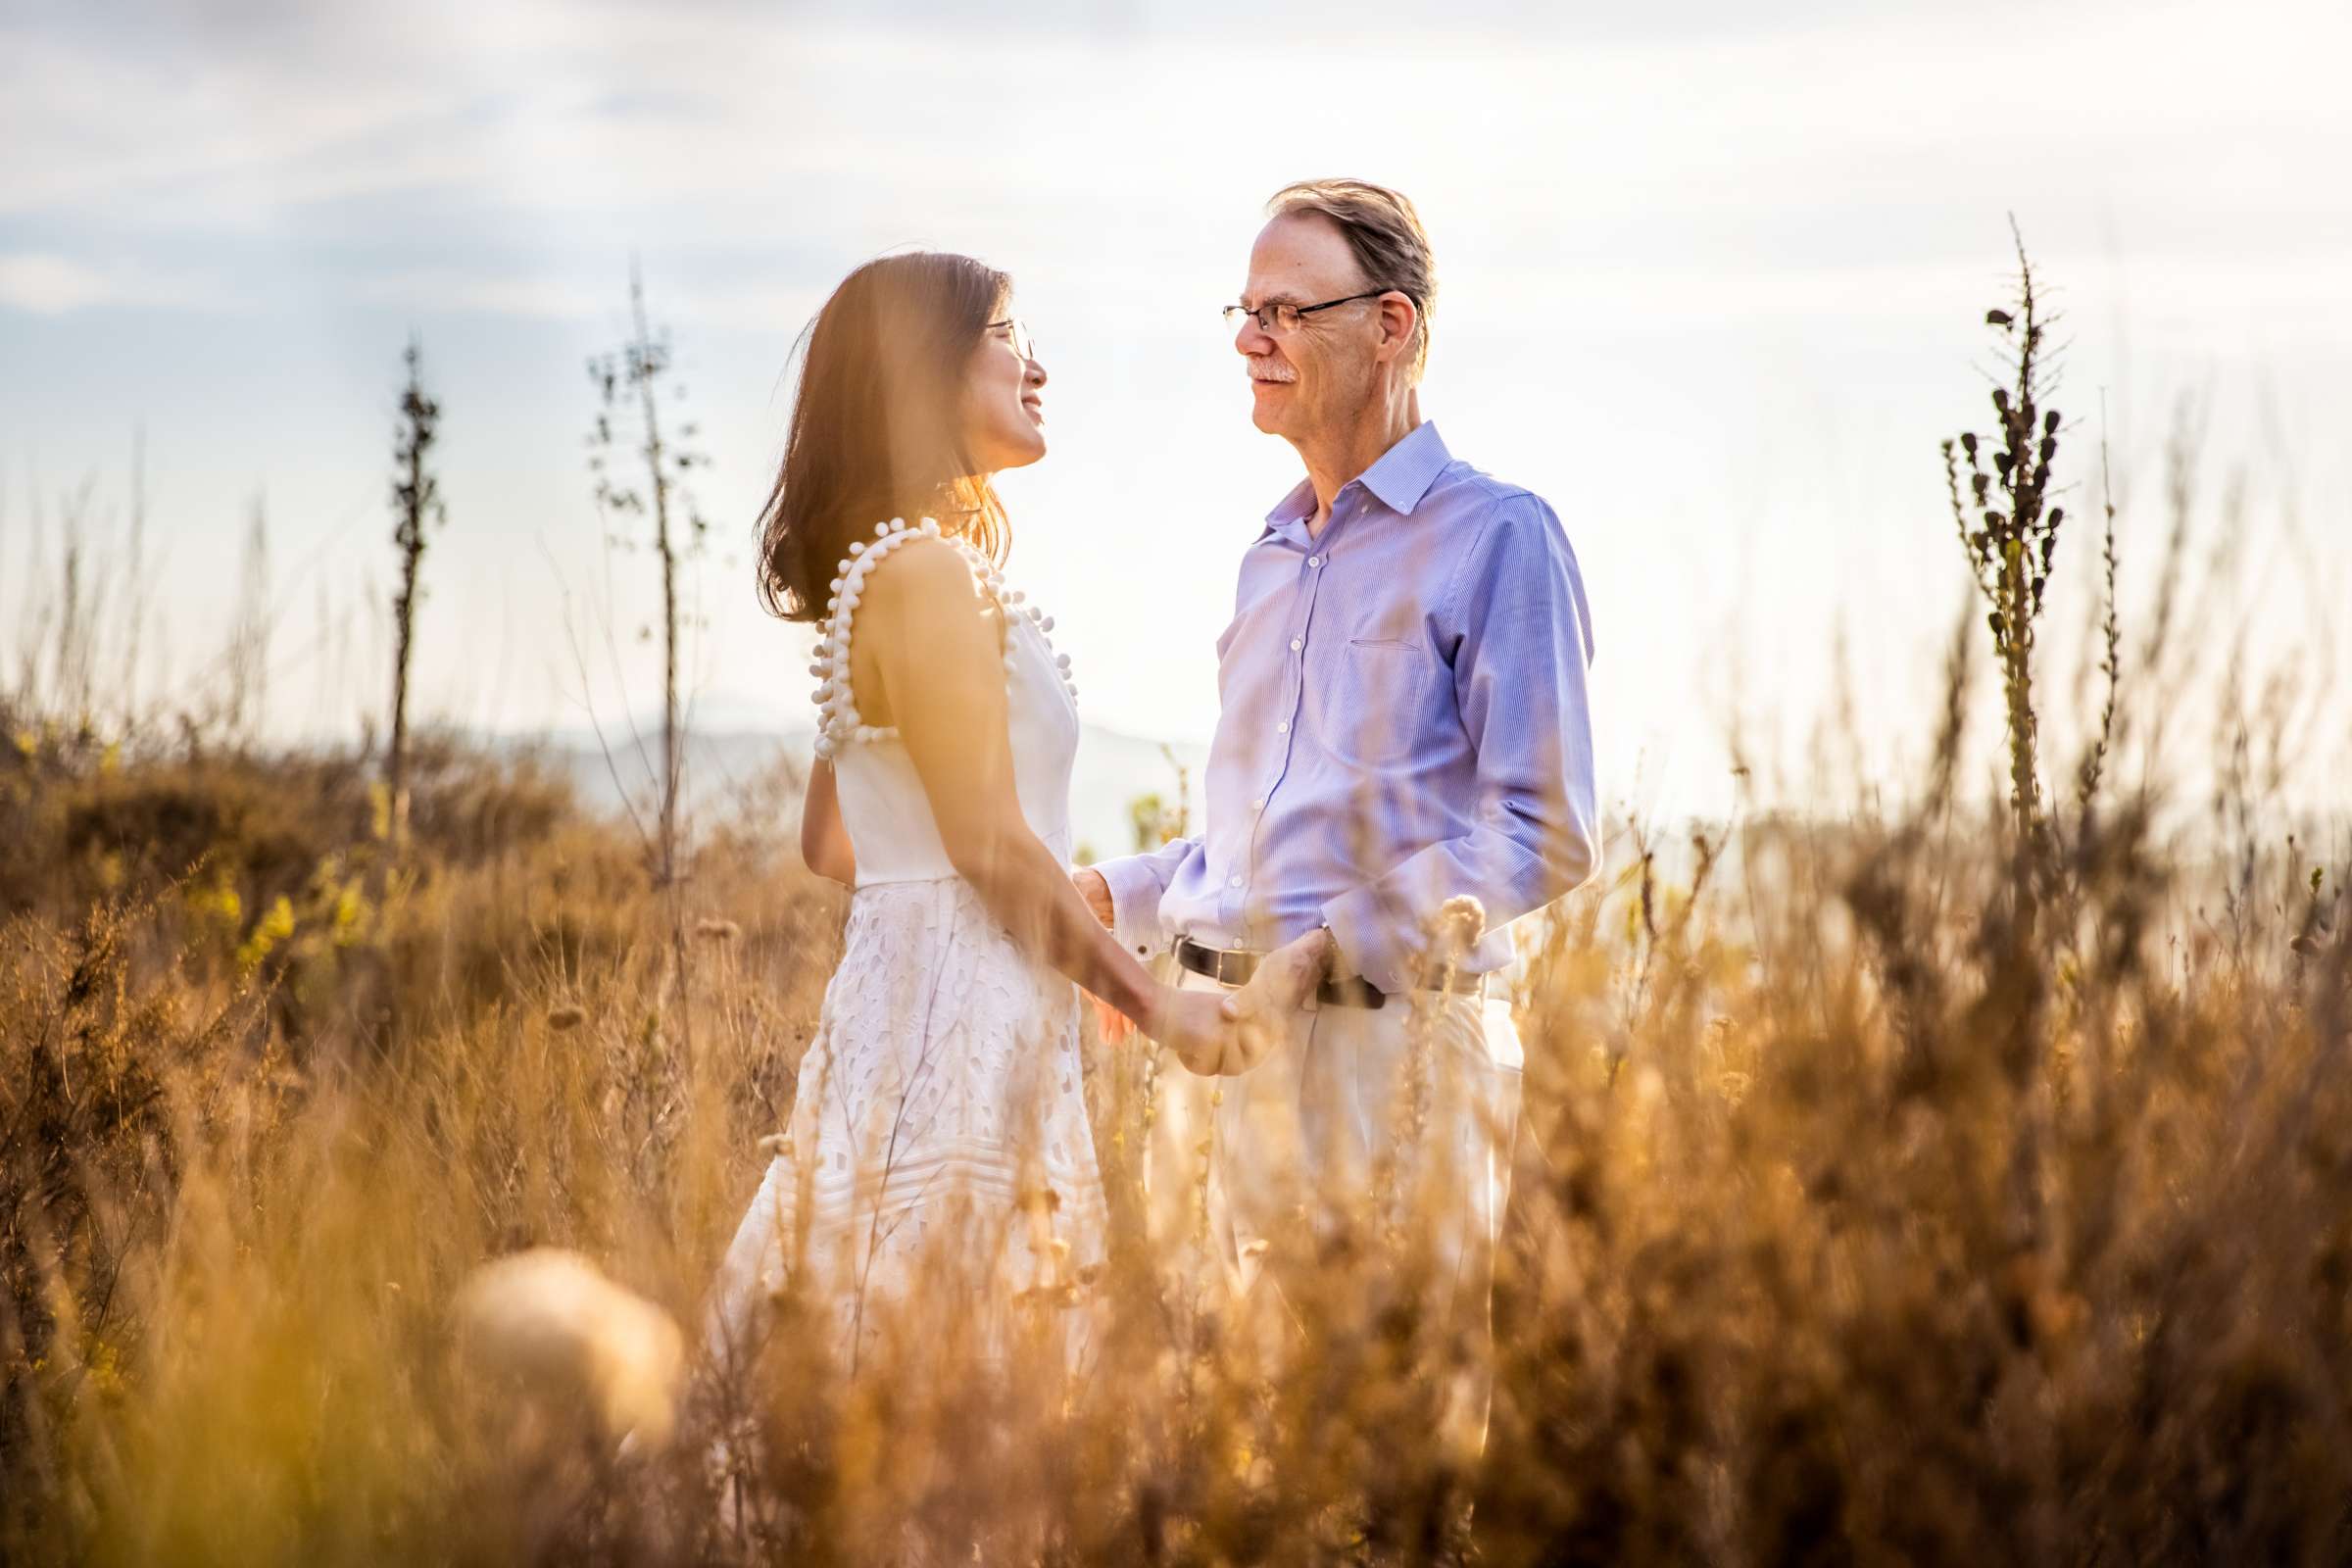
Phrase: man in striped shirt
[1403,765]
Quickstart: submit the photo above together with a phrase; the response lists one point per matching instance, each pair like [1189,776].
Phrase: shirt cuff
[1135,895]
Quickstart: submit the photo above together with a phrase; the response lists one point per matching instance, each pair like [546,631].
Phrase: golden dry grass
[1856,1217]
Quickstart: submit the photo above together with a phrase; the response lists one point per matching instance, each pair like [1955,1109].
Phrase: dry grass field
[1857,1217]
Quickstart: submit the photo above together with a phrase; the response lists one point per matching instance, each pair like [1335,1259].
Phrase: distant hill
[1113,771]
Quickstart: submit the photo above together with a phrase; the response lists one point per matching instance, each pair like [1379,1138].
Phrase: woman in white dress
[939,1147]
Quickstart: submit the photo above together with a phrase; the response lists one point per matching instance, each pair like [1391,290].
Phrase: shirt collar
[1406,471]
[1399,479]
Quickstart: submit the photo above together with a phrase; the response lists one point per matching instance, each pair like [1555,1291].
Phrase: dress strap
[837,722]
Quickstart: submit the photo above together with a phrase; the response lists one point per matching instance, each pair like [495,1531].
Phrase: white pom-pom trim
[840,723]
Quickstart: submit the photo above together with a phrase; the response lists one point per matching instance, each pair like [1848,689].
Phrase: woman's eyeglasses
[1016,332]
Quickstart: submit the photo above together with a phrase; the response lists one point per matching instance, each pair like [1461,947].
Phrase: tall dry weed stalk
[244,698]
[2007,525]
[417,505]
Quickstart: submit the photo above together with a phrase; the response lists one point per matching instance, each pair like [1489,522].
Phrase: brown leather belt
[1233,967]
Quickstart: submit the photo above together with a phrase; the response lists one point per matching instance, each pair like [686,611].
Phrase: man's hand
[1259,1012]
[1097,893]
[1192,1024]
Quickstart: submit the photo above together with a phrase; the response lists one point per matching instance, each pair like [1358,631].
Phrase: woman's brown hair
[877,422]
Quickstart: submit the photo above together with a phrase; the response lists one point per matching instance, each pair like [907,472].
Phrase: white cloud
[48,285]
[45,283]
[540,296]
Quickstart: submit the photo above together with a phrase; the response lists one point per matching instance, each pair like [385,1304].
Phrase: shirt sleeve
[1138,883]
[1523,645]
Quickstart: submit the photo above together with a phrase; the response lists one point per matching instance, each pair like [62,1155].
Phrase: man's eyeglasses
[1016,332]
[1281,317]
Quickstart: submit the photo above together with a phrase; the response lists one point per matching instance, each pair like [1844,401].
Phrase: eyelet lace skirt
[938,1157]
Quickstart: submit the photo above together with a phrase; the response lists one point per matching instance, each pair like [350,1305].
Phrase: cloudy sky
[1713,280]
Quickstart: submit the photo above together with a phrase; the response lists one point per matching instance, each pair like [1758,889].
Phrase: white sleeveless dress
[939,1133]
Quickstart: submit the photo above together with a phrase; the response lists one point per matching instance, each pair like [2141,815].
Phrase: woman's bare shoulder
[926,576]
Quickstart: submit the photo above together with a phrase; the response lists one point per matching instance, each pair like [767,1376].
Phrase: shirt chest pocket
[1377,706]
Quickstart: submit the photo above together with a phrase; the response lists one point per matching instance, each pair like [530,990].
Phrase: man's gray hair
[1386,234]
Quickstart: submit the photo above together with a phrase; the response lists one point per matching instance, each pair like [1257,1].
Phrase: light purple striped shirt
[1403,718]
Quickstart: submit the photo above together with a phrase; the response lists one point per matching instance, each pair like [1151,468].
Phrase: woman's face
[1003,414]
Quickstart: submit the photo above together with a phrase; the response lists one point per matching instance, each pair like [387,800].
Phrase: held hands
[1226,1035]
[1192,1024]
[1280,987]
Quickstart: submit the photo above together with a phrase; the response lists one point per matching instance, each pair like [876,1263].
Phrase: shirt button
[1233,881]
[1314,560]
[1283,728]
[1258,805]
[1297,643]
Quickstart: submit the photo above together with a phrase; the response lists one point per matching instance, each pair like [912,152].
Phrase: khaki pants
[1362,1117]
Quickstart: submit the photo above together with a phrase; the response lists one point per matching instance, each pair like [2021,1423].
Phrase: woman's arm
[937,645]
[824,841]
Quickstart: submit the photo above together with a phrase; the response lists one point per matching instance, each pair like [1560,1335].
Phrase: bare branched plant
[631,384]
[2111,644]
[415,504]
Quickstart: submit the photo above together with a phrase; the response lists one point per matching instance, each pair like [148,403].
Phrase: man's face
[1320,377]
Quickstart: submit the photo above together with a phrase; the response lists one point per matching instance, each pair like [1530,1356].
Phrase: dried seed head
[2049,422]
[710,928]
[1456,927]
[2000,318]
[565,1016]
[1968,443]
[570,1337]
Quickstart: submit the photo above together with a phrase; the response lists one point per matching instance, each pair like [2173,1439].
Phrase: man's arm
[1125,894]
[1525,639]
